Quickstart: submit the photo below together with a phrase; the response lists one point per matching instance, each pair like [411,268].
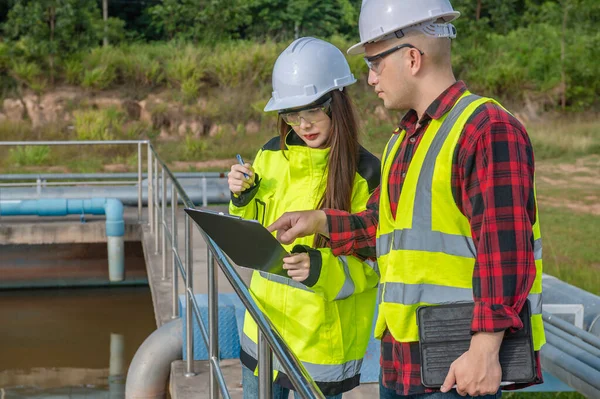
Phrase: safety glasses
[311,115]
[374,62]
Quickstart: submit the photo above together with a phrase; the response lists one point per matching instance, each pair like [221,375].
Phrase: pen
[241,161]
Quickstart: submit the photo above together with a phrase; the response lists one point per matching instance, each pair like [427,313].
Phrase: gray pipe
[571,329]
[217,192]
[572,349]
[150,368]
[112,176]
[580,377]
[558,292]
[592,350]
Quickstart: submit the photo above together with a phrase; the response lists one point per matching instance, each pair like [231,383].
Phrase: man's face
[390,75]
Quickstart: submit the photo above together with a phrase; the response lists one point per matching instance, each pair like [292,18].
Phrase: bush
[98,78]
[29,155]
[194,148]
[232,64]
[29,74]
[73,71]
[103,124]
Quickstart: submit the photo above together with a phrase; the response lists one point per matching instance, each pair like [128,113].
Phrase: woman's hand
[298,266]
[236,179]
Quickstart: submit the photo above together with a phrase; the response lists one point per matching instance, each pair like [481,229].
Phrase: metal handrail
[126,175]
[139,175]
[269,338]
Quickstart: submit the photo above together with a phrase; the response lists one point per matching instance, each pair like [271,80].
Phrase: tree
[200,20]
[43,30]
[284,19]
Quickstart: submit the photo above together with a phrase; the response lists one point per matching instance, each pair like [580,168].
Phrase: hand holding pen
[241,177]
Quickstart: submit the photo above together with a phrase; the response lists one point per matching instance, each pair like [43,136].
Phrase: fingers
[283,223]
[289,236]
[298,275]
[449,381]
[236,179]
[292,225]
[246,168]
[296,261]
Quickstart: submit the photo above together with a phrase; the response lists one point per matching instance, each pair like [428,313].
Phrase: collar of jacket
[305,161]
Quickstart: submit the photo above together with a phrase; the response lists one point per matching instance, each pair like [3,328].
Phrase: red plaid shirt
[492,184]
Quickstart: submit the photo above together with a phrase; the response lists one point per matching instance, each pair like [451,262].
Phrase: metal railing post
[189,292]
[204,193]
[156,228]
[174,274]
[150,191]
[265,368]
[139,182]
[213,325]
[164,224]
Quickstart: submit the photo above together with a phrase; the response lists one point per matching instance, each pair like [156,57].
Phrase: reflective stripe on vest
[348,286]
[318,372]
[412,294]
[285,281]
[435,241]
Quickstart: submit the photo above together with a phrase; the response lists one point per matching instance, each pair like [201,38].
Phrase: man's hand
[477,372]
[292,225]
[298,266]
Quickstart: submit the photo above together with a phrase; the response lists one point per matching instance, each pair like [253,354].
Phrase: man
[455,217]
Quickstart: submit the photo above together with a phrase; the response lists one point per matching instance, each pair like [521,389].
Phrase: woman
[324,311]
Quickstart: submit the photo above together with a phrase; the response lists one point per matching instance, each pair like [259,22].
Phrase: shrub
[103,124]
[30,155]
[98,78]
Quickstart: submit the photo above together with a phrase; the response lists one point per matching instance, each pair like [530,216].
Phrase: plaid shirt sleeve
[354,234]
[498,198]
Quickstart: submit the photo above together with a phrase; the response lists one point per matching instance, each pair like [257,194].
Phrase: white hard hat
[382,19]
[305,71]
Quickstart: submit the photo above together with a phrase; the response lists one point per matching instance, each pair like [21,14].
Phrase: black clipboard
[445,334]
[246,242]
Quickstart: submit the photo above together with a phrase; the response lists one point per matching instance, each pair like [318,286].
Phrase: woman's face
[313,125]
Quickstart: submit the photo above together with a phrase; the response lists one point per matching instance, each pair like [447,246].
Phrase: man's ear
[416,60]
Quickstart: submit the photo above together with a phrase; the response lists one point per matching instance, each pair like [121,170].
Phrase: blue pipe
[112,208]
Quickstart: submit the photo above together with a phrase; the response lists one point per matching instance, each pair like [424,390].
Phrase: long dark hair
[343,156]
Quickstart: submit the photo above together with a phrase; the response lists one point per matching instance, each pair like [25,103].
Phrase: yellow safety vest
[426,255]
[328,324]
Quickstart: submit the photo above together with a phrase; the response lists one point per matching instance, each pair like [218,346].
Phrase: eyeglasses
[374,62]
[310,115]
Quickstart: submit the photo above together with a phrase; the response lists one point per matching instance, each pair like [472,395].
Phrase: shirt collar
[438,108]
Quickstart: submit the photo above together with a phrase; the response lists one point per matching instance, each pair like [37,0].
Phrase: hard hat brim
[299,101]
[359,48]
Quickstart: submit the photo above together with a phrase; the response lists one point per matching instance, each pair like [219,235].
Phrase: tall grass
[105,124]
[565,138]
[29,155]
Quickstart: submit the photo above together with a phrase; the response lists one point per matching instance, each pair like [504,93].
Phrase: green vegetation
[29,155]
[538,52]
[98,125]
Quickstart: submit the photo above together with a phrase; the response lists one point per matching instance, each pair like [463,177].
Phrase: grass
[571,247]
[29,155]
[566,139]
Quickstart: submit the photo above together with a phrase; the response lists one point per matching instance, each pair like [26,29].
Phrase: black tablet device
[246,242]
[445,334]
